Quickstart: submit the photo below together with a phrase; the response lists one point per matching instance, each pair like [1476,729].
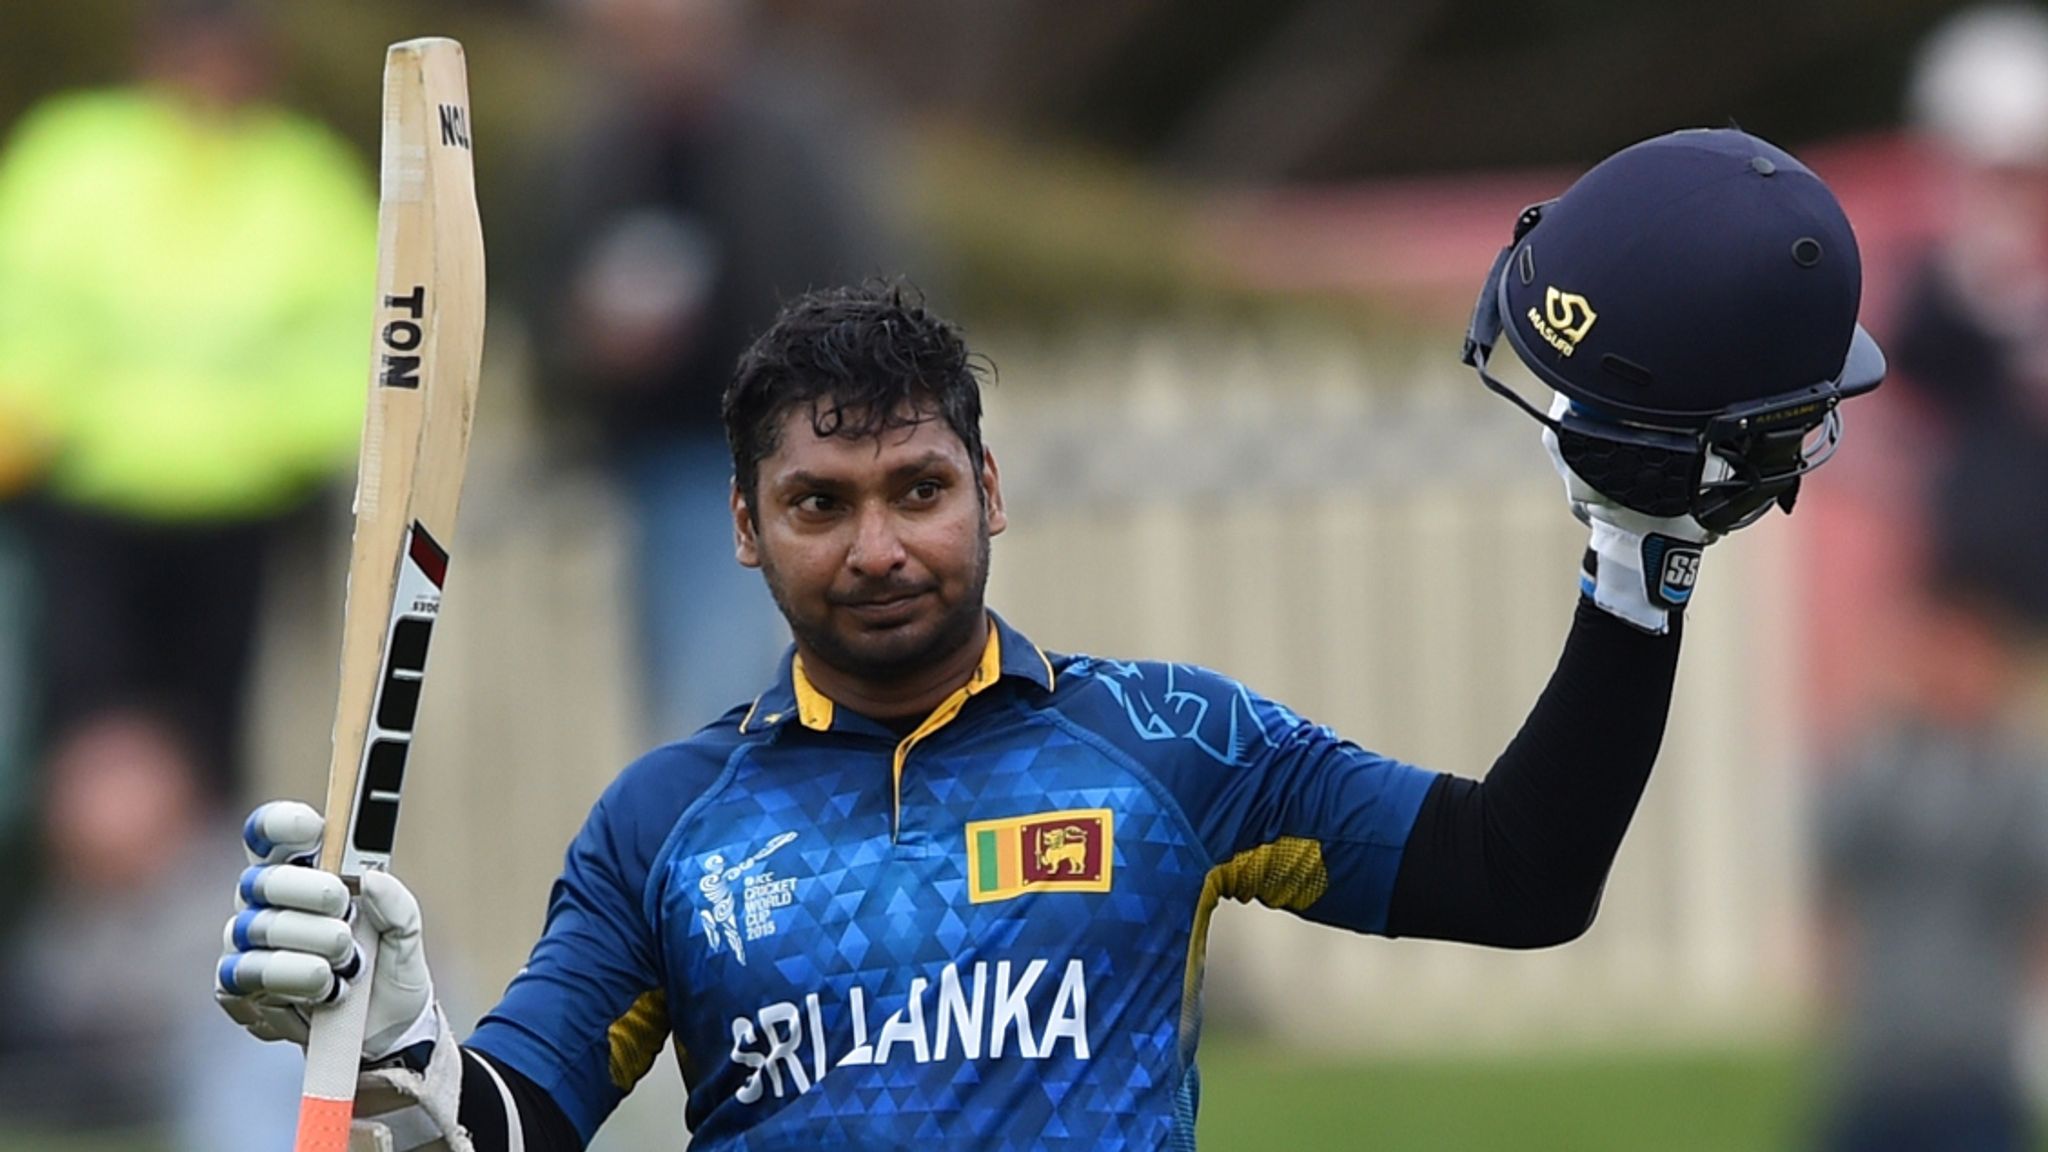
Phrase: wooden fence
[1382,546]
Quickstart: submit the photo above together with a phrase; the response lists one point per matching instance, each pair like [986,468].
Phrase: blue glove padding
[289,945]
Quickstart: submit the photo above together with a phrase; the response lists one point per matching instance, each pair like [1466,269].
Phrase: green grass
[1264,1098]
[1260,1097]
[15,1141]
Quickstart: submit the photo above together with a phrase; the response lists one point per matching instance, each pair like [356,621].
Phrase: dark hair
[865,360]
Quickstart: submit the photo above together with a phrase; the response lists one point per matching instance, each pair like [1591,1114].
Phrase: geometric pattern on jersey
[825,967]
[876,916]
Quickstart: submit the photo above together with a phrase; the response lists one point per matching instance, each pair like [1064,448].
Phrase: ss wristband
[1641,578]
[1670,569]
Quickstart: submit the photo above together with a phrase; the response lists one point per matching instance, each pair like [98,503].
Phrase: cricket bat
[426,351]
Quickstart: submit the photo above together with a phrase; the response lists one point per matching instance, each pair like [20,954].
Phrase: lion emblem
[1063,849]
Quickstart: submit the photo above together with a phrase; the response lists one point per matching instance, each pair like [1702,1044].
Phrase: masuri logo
[1564,321]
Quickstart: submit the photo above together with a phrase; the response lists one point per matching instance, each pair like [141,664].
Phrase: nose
[877,549]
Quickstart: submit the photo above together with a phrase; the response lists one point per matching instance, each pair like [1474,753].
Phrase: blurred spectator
[1972,338]
[185,280]
[100,1029]
[711,177]
[1934,835]
[1934,841]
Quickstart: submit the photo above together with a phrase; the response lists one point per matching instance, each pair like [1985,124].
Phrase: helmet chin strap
[1663,466]
[1483,331]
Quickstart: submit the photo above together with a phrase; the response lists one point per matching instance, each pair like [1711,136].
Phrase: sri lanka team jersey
[986,934]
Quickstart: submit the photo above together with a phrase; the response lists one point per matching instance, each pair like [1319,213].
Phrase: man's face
[876,549]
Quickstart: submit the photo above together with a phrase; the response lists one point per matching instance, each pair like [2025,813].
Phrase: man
[1932,856]
[1932,825]
[713,178]
[937,886]
[185,274]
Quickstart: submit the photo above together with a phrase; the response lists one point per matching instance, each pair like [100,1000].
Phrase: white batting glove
[288,945]
[1639,568]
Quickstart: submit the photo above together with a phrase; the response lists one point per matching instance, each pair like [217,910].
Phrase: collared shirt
[988,933]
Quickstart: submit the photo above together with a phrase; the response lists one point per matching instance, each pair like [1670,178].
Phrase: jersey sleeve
[1291,814]
[588,1014]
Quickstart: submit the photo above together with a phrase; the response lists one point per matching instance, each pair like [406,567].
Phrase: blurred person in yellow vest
[185,279]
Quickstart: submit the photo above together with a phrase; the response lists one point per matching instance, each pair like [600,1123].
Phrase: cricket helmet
[1692,298]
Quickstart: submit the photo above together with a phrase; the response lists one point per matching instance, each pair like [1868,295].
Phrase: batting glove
[288,946]
[1639,568]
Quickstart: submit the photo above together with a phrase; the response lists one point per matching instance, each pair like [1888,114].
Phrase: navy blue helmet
[1692,295]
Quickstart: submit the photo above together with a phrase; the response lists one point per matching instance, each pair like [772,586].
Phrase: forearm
[504,1111]
[1518,860]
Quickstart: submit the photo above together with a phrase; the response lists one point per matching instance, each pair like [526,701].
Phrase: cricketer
[937,887]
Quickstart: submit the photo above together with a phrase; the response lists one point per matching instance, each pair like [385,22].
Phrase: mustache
[878,591]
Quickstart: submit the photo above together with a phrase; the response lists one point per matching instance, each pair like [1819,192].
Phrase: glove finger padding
[286,930]
[294,886]
[282,831]
[282,958]
[290,944]
[291,977]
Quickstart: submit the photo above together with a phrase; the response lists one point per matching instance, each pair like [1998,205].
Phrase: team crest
[1044,852]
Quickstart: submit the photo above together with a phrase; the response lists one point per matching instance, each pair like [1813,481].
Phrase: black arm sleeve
[541,1121]
[1518,860]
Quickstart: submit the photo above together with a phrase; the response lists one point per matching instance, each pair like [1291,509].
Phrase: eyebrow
[929,461]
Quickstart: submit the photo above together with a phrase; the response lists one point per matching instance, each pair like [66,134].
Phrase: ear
[746,542]
[992,491]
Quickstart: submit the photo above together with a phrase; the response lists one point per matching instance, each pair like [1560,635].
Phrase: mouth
[882,611]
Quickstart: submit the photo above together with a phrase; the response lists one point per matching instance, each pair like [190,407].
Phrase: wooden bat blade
[426,355]
[427,345]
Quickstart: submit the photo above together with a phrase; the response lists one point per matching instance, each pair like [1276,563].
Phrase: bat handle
[334,1054]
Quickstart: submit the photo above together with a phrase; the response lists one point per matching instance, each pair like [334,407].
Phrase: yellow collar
[814,708]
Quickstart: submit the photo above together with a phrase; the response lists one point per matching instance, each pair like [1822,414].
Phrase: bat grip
[334,1054]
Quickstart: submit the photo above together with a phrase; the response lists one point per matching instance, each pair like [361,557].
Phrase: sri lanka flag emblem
[1044,852]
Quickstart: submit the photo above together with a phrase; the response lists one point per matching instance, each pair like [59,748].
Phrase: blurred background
[1221,254]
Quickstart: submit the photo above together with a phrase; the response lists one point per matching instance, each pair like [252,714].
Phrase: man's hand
[288,946]
[1640,568]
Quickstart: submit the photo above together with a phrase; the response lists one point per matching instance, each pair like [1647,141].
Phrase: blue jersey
[987,933]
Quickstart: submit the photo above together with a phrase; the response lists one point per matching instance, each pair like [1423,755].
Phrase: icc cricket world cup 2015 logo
[761,894]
